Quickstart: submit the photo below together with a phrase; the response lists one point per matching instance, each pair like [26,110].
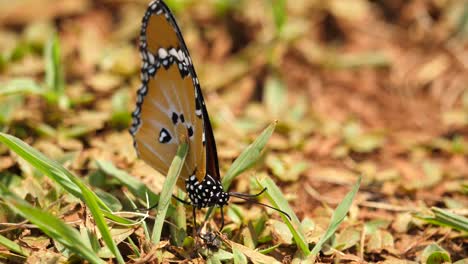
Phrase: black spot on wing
[190,131]
[174,118]
[164,136]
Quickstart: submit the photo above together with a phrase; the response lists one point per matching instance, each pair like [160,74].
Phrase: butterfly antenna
[236,194]
[243,197]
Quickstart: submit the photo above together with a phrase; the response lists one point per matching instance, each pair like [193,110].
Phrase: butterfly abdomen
[207,193]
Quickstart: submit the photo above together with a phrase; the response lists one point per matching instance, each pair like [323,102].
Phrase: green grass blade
[248,157]
[92,203]
[279,14]
[13,246]
[136,187]
[445,218]
[455,221]
[45,165]
[338,216]
[20,86]
[50,225]
[70,183]
[53,70]
[435,254]
[166,194]
[277,200]
[54,171]
[246,160]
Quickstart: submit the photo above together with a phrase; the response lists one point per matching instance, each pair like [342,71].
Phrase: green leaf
[71,183]
[49,167]
[338,216]
[136,187]
[277,200]
[50,225]
[121,117]
[434,254]
[54,74]
[249,156]
[13,246]
[55,79]
[92,202]
[445,218]
[20,86]
[279,14]
[166,194]
[54,171]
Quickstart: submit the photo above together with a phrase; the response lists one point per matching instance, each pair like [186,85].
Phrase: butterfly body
[207,193]
[170,110]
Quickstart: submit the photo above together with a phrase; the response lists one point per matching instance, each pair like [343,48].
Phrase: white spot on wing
[162,136]
[150,57]
[174,53]
[162,53]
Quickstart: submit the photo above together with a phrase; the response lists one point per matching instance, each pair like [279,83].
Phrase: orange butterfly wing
[168,109]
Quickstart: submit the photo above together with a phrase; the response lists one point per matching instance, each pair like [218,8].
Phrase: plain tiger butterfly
[170,108]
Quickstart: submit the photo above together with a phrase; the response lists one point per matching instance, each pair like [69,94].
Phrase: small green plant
[58,230]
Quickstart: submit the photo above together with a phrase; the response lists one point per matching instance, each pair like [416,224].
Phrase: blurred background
[374,88]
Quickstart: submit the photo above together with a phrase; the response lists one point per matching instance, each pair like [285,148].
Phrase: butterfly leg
[195,229]
[180,200]
[222,219]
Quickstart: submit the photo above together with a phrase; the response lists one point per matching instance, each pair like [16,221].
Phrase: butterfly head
[206,193]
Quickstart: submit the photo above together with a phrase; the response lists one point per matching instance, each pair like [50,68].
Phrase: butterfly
[170,109]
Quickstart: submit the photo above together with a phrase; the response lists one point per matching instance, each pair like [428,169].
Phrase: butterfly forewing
[169,104]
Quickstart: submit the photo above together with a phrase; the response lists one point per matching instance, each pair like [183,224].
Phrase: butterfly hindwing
[169,104]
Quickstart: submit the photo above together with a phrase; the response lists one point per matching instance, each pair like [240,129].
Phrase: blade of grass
[277,200]
[246,159]
[20,86]
[49,167]
[13,246]
[50,225]
[249,156]
[166,194]
[91,201]
[269,249]
[57,171]
[279,14]
[136,187]
[143,223]
[444,218]
[134,247]
[337,217]
[54,171]
[455,221]
[54,73]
